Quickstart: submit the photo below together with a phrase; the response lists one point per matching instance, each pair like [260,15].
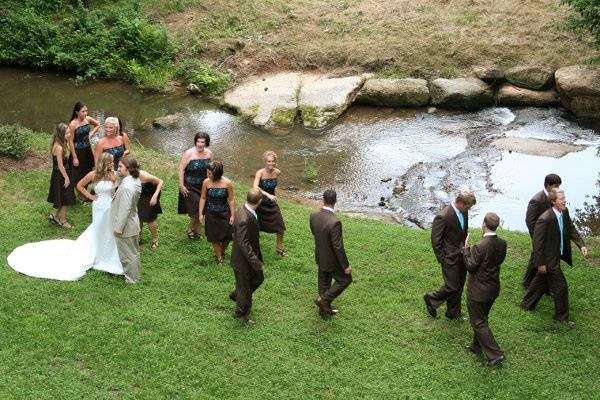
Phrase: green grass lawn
[173,335]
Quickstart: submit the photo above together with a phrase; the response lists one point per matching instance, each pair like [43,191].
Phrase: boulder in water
[394,93]
[579,89]
[168,121]
[461,93]
[534,77]
[509,95]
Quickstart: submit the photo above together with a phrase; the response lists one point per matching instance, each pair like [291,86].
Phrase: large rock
[463,93]
[394,93]
[509,95]
[536,147]
[168,121]
[579,89]
[534,77]
[323,100]
[489,74]
[269,103]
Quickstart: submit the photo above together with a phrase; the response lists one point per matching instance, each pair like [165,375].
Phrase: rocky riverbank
[277,102]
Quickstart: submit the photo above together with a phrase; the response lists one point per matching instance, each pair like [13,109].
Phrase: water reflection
[413,159]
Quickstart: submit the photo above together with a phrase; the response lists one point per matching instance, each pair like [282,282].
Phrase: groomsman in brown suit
[483,263]
[448,234]
[536,207]
[329,254]
[551,242]
[246,258]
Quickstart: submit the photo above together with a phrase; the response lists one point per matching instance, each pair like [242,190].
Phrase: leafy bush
[109,41]
[14,141]
[590,12]
[209,80]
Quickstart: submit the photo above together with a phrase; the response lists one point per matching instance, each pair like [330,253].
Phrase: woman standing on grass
[61,192]
[217,205]
[269,214]
[111,143]
[82,127]
[149,204]
[192,173]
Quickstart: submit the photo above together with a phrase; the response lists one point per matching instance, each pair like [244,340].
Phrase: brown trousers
[483,339]
[246,283]
[451,291]
[555,280]
[328,291]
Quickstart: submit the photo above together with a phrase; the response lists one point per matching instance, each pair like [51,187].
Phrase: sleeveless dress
[270,219]
[83,150]
[193,176]
[58,195]
[146,212]
[68,260]
[117,152]
[217,214]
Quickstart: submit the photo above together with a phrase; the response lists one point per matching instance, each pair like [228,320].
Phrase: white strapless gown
[68,260]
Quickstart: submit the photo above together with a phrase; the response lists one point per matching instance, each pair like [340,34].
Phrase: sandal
[52,218]
[191,234]
[154,244]
[64,224]
[282,252]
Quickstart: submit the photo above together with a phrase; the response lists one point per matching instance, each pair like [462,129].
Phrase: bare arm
[72,145]
[98,150]
[257,177]
[202,202]
[95,124]
[148,177]
[231,201]
[84,182]
[182,164]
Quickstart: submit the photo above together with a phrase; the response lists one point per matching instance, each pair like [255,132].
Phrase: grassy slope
[173,336]
[394,37]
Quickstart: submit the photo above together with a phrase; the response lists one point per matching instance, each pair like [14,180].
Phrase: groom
[125,221]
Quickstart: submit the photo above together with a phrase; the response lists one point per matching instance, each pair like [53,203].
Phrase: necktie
[560,226]
[461,219]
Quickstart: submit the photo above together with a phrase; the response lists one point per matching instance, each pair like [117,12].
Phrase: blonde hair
[60,131]
[553,194]
[104,168]
[467,198]
[113,121]
[269,153]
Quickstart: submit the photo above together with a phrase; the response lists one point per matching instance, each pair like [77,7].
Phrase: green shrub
[14,141]
[590,13]
[209,80]
[109,40]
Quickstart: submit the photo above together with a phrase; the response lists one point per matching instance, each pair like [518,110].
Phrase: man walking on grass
[330,254]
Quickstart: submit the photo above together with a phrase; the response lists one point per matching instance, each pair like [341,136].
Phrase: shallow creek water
[413,159]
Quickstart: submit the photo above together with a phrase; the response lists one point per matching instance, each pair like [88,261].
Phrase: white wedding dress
[68,260]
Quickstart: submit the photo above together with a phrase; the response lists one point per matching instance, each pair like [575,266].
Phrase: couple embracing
[109,244]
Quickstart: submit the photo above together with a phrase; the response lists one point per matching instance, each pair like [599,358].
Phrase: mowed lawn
[173,335]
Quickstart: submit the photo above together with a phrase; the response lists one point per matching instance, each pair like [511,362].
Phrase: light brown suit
[125,221]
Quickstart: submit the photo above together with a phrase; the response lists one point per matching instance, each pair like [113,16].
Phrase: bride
[68,260]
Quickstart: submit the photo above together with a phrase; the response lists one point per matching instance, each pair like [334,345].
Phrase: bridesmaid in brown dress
[82,127]
[192,172]
[269,214]
[149,204]
[61,192]
[217,205]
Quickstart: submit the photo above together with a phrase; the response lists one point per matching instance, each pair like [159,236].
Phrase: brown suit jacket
[546,240]
[536,207]
[329,243]
[245,253]
[483,262]
[447,237]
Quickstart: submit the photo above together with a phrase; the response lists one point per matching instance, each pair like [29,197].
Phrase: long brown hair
[60,131]
[104,168]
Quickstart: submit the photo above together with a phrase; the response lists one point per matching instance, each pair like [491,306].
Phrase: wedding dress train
[68,260]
